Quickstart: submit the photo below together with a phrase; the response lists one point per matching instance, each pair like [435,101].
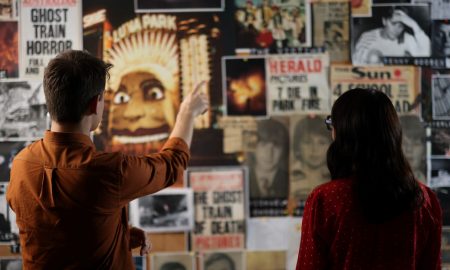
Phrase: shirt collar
[67,137]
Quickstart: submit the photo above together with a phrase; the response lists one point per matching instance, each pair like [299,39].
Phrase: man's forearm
[184,127]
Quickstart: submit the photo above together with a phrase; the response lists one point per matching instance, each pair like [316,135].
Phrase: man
[70,200]
[441,41]
[268,164]
[400,36]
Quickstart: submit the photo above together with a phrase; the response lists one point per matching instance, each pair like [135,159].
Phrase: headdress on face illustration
[154,52]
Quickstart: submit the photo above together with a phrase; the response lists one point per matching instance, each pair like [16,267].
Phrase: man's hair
[219,257]
[71,80]
[308,126]
[172,266]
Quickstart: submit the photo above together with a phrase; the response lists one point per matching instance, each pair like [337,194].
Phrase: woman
[374,214]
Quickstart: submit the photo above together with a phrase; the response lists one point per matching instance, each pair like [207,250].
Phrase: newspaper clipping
[223,260]
[441,96]
[440,142]
[332,29]
[380,35]
[24,113]
[219,201]
[47,28]
[298,84]
[179,6]
[172,261]
[361,8]
[272,26]
[399,83]
[169,210]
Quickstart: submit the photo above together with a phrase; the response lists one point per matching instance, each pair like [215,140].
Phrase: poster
[281,233]
[265,260]
[46,29]
[8,150]
[179,5]
[239,133]
[440,173]
[400,30]
[24,113]
[440,142]
[440,89]
[414,145]
[440,42]
[219,202]
[399,83]
[169,210]
[308,160]
[268,165]
[298,84]
[331,25]
[223,260]
[361,8]
[9,49]
[171,261]
[272,26]
[157,60]
[244,85]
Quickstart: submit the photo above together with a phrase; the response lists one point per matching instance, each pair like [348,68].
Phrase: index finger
[198,86]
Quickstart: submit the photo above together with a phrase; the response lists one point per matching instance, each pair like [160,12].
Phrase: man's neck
[81,127]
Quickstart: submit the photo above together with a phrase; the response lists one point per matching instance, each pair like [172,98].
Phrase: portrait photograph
[245,86]
[310,140]
[168,210]
[400,30]
[440,42]
[414,145]
[172,261]
[440,89]
[440,142]
[223,260]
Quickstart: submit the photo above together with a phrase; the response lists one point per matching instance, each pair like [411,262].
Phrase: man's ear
[93,103]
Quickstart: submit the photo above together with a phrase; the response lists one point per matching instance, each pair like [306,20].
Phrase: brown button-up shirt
[70,200]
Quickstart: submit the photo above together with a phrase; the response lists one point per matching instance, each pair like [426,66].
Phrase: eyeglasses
[328,123]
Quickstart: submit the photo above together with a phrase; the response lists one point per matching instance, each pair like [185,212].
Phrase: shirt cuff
[176,143]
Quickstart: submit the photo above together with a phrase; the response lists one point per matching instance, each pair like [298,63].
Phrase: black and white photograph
[441,38]
[8,228]
[244,85]
[223,260]
[414,145]
[440,142]
[440,89]
[445,250]
[11,264]
[179,5]
[173,261]
[443,194]
[8,150]
[399,30]
[168,210]
[24,113]
[440,9]
[140,262]
[7,9]
[440,172]
[310,140]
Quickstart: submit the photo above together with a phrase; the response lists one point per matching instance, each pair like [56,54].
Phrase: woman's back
[336,234]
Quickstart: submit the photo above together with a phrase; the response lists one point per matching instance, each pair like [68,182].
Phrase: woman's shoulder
[336,190]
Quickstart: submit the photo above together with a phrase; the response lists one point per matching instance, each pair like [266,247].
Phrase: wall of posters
[219,202]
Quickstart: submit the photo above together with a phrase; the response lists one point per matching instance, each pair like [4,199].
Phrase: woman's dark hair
[368,148]
[71,80]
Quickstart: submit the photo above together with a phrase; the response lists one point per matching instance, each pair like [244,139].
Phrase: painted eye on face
[153,90]
[121,98]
